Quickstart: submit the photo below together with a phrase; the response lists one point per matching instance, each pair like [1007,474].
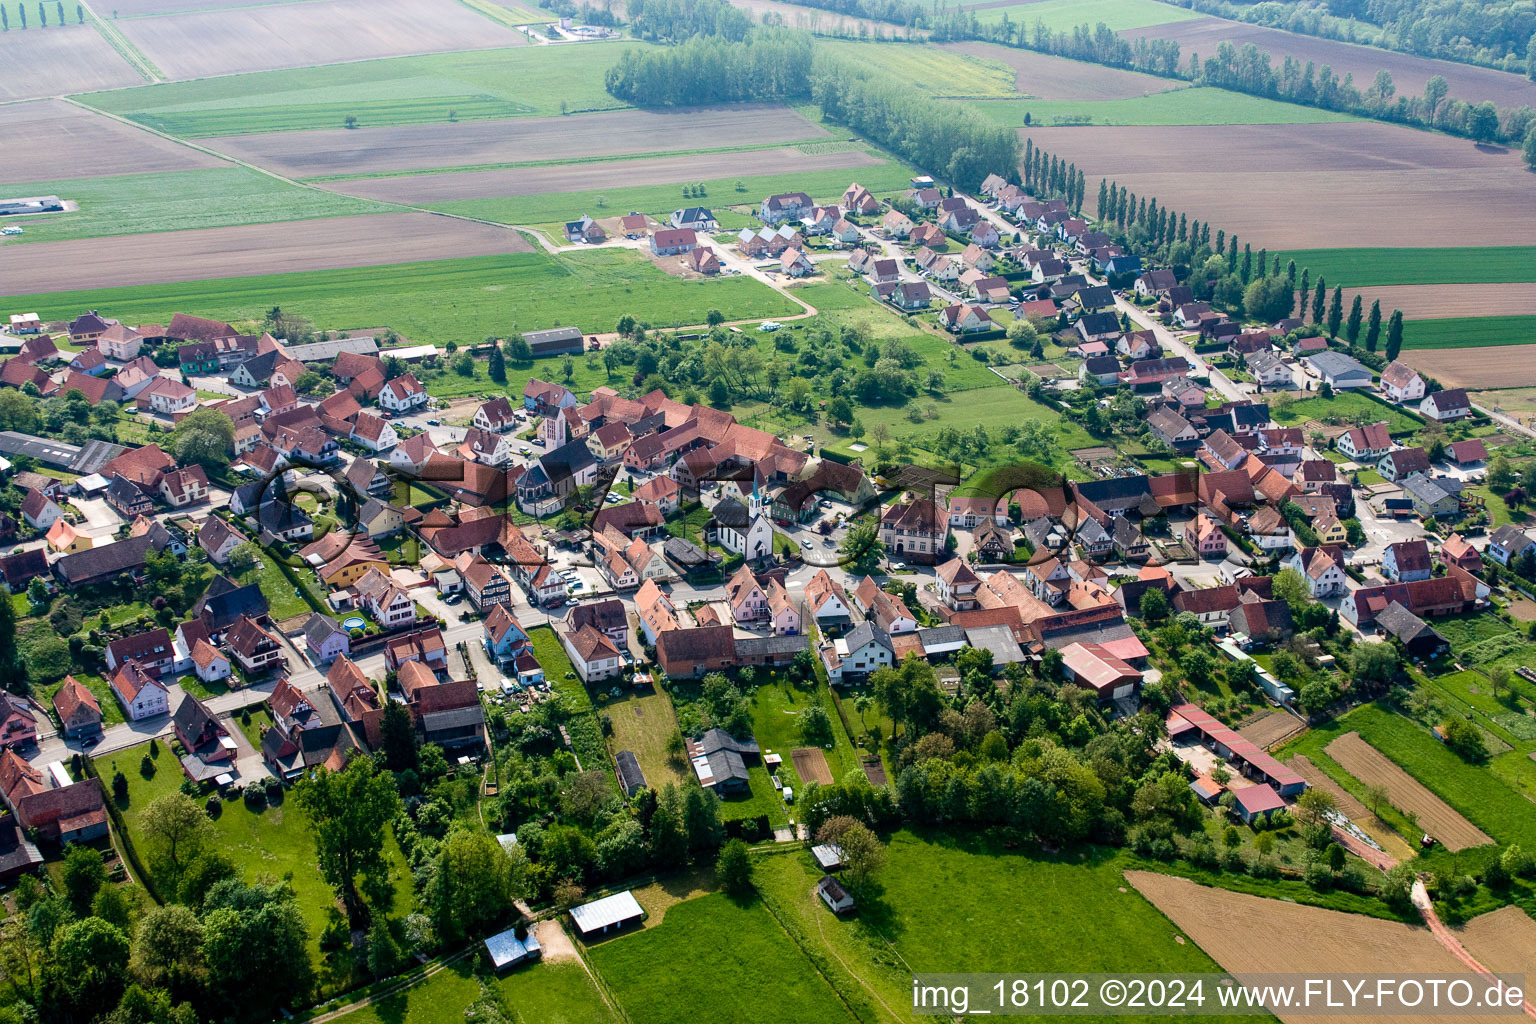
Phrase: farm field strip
[604,174]
[1470,332]
[129,204]
[339,151]
[1065,15]
[1193,106]
[1203,35]
[442,300]
[1046,77]
[320,244]
[203,43]
[814,19]
[1346,801]
[1362,268]
[951,70]
[1471,302]
[1406,793]
[50,140]
[1503,941]
[1298,938]
[59,59]
[1473,368]
[123,9]
[478,84]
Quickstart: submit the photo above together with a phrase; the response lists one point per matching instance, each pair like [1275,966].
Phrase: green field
[941,72]
[552,208]
[1364,268]
[776,709]
[1470,332]
[274,843]
[442,300]
[518,82]
[177,201]
[1346,405]
[1065,15]
[713,952]
[558,992]
[1179,106]
[1475,791]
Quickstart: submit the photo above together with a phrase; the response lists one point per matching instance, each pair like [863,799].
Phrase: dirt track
[296,35]
[1409,73]
[1503,941]
[362,241]
[529,181]
[51,140]
[368,150]
[1296,938]
[1354,184]
[1436,301]
[1044,77]
[1435,816]
[55,61]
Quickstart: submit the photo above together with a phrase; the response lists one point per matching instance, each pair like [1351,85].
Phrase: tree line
[42,15]
[768,64]
[672,21]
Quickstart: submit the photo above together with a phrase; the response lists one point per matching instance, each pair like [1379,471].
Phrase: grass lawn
[1462,631]
[642,723]
[1499,513]
[776,708]
[1469,332]
[941,72]
[551,655]
[213,197]
[1345,405]
[663,199]
[443,300]
[275,843]
[516,82]
[1065,15]
[1197,106]
[283,602]
[1363,268]
[1473,790]
[111,711]
[555,992]
[655,972]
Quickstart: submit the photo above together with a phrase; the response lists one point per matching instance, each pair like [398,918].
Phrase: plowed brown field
[361,241]
[1503,941]
[415,147]
[50,140]
[1437,301]
[532,181]
[59,60]
[811,765]
[1318,779]
[1297,939]
[1474,368]
[1042,76]
[295,35]
[1406,793]
[1409,73]
[1299,186]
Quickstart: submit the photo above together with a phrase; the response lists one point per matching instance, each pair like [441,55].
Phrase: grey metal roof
[54,453]
[997,639]
[94,455]
[609,910]
[1337,364]
[866,633]
[630,775]
[321,351]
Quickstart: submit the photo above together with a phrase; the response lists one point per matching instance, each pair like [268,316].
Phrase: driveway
[100,518]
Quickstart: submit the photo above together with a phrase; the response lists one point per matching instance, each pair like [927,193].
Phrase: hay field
[603,174]
[1409,73]
[1439,302]
[1313,185]
[59,59]
[952,70]
[51,140]
[366,150]
[1297,938]
[295,35]
[1503,941]
[1406,793]
[332,242]
[1066,15]
[1045,77]
[816,20]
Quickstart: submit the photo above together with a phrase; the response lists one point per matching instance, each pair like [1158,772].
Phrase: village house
[1445,406]
[1403,463]
[1204,537]
[1322,568]
[1507,543]
[253,648]
[403,394]
[1401,382]
[78,710]
[593,655]
[1365,444]
[141,695]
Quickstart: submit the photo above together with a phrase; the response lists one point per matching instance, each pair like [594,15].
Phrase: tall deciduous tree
[476,884]
[348,812]
[176,830]
[1335,312]
[1319,299]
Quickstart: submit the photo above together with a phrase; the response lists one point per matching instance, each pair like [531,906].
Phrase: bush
[1318,876]
[256,797]
[214,806]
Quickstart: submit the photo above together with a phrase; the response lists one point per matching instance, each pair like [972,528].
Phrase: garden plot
[1435,816]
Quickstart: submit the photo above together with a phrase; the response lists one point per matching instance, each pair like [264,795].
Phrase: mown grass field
[941,72]
[1470,332]
[1346,405]
[556,207]
[1473,790]
[275,843]
[442,300]
[1065,15]
[714,952]
[776,709]
[642,724]
[214,197]
[1363,268]
[555,992]
[518,82]
[1180,106]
